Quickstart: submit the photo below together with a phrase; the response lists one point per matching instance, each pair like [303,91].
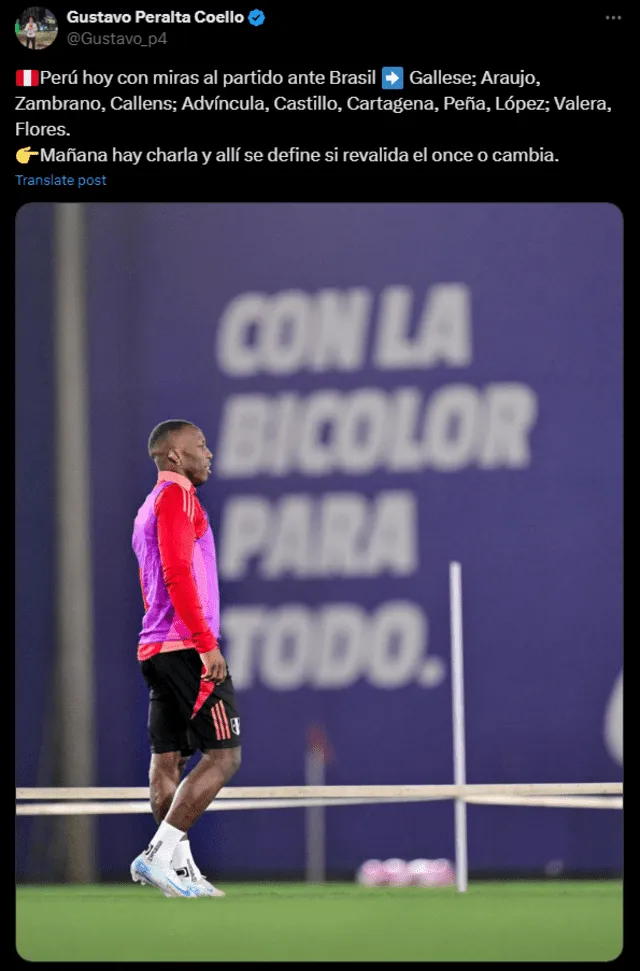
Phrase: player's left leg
[195,793]
[187,714]
[165,773]
[201,785]
[214,729]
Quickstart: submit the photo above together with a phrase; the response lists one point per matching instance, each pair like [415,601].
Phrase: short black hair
[160,432]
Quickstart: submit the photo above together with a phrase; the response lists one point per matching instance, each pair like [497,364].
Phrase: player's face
[195,457]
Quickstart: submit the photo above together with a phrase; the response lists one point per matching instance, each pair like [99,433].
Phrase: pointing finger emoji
[24,154]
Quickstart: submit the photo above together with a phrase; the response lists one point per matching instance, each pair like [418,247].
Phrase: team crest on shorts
[235,725]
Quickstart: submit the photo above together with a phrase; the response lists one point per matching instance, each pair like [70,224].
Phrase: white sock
[183,859]
[162,846]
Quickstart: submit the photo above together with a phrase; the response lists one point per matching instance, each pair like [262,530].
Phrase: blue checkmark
[256,18]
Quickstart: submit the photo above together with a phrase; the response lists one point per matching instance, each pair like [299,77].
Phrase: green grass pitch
[515,921]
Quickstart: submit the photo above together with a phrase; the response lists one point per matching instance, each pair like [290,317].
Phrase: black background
[578,54]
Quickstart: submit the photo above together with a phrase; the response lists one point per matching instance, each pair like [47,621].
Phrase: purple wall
[34,510]
[467,405]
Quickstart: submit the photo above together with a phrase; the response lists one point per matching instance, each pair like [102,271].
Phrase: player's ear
[173,456]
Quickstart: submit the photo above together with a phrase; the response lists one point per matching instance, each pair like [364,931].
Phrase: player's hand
[215,666]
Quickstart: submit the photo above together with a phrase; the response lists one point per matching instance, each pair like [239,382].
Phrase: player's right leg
[165,772]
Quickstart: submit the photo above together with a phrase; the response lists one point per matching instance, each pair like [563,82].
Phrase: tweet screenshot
[318,404]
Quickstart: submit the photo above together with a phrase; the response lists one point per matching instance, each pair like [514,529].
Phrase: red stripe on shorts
[206,687]
[225,720]
[216,721]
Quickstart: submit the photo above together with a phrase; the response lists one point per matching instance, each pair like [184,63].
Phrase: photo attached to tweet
[319,482]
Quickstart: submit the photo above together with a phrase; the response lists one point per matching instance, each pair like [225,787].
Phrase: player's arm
[144,599]
[176,540]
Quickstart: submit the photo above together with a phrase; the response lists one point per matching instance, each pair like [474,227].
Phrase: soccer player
[191,696]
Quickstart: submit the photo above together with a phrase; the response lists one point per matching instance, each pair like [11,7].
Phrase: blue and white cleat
[199,885]
[163,877]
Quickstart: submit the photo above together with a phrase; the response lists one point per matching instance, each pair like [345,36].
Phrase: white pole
[457,689]
[315,776]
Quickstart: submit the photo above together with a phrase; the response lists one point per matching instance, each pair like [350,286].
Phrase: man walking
[192,702]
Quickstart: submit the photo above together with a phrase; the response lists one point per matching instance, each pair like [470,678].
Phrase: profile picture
[36,28]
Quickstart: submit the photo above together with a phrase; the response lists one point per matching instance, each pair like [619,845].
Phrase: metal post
[315,820]
[74,576]
[459,755]
[317,755]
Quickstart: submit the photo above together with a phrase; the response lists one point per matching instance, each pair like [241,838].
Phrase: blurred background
[385,388]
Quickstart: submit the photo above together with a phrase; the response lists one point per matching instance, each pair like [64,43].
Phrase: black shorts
[185,715]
